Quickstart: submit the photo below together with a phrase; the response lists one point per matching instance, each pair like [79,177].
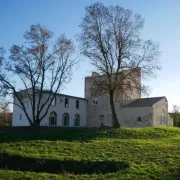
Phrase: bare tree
[176,109]
[37,66]
[5,115]
[176,115]
[110,39]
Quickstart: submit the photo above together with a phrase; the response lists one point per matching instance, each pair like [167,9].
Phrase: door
[102,120]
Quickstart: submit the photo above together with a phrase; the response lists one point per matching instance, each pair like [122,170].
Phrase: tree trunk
[36,123]
[114,117]
[30,122]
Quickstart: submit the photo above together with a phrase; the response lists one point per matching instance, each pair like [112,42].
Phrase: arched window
[65,120]
[77,104]
[53,119]
[66,103]
[163,117]
[77,120]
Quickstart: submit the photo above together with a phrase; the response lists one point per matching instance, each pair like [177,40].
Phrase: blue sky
[162,24]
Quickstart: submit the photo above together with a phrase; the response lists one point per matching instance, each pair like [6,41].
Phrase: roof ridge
[145,102]
[152,97]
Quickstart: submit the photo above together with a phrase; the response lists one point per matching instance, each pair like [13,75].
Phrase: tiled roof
[58,94]
[143,102]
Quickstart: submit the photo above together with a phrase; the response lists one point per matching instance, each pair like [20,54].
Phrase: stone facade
[136,117]
[95,110]
[19,118]
[99,109]
[144,116]
[119,95]
[161,117]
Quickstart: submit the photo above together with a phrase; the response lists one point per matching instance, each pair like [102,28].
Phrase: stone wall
[128,117]
[133,80]
[136,117]
[161,113]
[59,108]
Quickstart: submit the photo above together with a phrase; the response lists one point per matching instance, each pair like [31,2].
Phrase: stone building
[130,89]
[131,109]
[65,110]
[94,110]
[142,112]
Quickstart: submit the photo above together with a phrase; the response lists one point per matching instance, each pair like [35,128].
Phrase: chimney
[95,74]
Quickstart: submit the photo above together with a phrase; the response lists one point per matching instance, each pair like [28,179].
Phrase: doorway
[102,120]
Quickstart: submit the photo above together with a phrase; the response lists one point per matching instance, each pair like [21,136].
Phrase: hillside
[90,153]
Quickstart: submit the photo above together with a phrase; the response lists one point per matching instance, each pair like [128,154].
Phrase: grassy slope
[153,153]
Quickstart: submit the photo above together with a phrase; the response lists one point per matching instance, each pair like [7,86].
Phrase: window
[20,117]
[95,100]
[53,119]
[66,102]
[126,98]
[139,119]
[77,104]
[77,120]
[65,120]
[163,119]
[102,120]
[53,103]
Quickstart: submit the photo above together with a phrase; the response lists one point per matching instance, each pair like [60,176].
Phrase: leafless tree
[176,109]
[110,39]
[39,65]
[176,115]
[5,116]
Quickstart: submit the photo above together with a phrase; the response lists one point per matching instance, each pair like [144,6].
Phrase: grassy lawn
[138,153]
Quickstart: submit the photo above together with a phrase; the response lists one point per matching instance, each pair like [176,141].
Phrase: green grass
[152,153]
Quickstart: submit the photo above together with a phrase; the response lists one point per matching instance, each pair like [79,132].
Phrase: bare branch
[110,39]
[38,66]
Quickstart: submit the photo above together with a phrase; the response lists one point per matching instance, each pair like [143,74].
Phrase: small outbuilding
[145,112]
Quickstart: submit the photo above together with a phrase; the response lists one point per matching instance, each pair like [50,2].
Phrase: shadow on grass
[176,173]
[16,134]
[60,166]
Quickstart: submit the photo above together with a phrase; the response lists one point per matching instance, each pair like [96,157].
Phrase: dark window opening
[139,119]
[53,119]
[66,103]
[77,120]
[65,121]
[77,104]
[102,120]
